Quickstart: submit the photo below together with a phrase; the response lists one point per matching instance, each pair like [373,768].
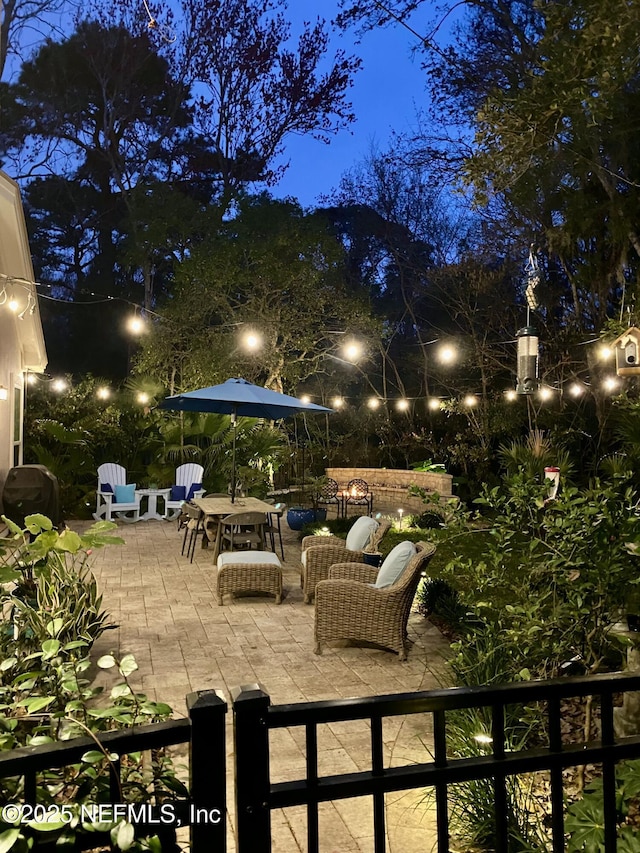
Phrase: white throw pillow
[395,563]
[360,534]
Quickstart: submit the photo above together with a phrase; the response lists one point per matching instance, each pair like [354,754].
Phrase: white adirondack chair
[187,475]
[111,474]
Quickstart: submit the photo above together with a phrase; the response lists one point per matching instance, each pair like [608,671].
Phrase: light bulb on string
[576,389]
[447,354]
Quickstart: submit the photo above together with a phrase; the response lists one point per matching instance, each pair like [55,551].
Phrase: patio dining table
[219,508]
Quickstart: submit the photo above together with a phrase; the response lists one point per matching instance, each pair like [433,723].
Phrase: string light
[352,350]
[447,354]
[576,389]
[605,353]
[252,341]
[135,325]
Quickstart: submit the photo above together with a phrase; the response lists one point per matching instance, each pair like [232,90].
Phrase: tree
[272,270]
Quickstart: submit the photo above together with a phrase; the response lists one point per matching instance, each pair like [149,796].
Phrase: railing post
[251,743]
[207,709]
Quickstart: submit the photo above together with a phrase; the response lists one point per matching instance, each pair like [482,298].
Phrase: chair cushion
[194,487]
[395,563]
[360,534]
[125,494]
[178,493]
[106,487]
[256,558]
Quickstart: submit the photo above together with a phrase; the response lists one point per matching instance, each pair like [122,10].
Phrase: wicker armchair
[322,552]
[347,608]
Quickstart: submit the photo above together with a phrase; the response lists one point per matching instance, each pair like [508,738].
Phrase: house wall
[11,377]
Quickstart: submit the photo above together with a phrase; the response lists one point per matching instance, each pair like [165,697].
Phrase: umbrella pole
[233,458]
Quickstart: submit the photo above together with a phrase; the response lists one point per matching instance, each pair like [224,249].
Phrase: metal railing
[257,796]
[204,812]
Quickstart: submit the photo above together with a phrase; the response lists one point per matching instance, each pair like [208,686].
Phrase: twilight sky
[386,92]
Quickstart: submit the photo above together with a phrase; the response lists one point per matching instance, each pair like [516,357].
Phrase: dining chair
[329,495]
[357,494]
[243,529]
[273,527]
[193,527]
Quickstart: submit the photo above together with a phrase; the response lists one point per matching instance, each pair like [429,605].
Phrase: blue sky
[386,93]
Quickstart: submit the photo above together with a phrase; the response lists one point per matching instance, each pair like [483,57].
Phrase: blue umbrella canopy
[241,398]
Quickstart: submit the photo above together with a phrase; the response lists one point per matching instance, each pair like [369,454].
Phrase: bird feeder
[527,360]
[627,350]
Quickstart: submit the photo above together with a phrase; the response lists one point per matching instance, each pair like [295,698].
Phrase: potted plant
[298,516]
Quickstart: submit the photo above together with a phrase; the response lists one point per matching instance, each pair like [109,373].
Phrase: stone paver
[183,641]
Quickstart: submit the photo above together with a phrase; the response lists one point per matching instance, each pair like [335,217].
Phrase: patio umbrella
[239,397]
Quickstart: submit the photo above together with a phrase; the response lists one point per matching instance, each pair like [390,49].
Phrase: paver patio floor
[184,641]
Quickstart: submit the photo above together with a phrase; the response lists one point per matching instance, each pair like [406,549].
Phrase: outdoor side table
[152,496]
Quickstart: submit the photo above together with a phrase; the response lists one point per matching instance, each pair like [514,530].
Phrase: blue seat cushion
[178,493]
[125,494]
[194,487]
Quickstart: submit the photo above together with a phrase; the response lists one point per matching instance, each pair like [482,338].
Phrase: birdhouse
[527,360]
[627,349]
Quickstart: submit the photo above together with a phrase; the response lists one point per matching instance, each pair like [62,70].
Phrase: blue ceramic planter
[298,517]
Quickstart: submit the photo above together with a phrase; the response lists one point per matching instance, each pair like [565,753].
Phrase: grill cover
[29,489]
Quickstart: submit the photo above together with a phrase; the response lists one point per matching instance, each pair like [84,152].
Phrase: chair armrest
[312,541]
[360,572]
[346,594]
[325,556]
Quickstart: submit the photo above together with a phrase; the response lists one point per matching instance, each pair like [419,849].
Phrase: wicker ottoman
[249,571]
